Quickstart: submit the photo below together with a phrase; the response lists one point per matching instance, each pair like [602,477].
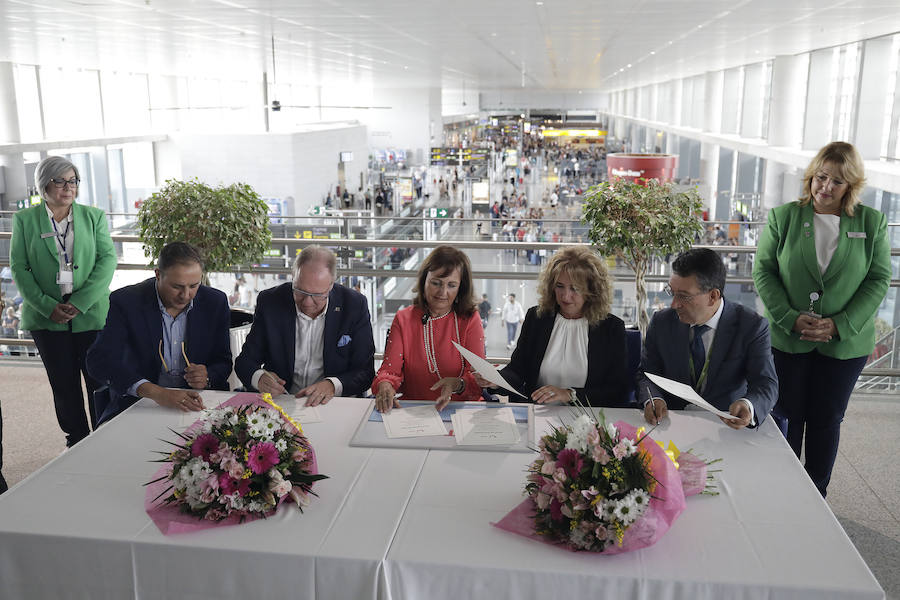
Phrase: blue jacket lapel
[286,320]
[152,323]
[725,335]
[332,325]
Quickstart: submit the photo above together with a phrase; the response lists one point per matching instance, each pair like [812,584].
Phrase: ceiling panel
[553,44]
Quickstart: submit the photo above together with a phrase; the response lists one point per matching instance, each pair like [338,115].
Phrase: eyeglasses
[301,295]
[681,296]
[62,183]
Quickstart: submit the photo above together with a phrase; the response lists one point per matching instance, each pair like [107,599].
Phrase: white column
[712,102]
[709,176]
[13,165]
[787,101]
[819,100]
[751,113]
[675,96]
[873,90]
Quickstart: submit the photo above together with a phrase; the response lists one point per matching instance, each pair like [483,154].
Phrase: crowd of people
[823,268]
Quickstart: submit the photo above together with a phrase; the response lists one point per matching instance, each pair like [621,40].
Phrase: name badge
[856,234]
[64,276]
[47,235]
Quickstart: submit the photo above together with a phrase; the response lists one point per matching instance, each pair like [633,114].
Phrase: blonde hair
[850,166]
[589,276]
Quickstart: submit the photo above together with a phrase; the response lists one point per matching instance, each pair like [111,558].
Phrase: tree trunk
[640,288]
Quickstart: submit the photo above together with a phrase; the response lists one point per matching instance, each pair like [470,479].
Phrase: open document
[416,421]
[688,393]
[485,427]
[486,370]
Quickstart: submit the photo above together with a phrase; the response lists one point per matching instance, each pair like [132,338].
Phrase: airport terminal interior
[382,130]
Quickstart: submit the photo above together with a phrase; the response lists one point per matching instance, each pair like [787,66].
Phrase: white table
[769,534]
[401,524]
[77,528]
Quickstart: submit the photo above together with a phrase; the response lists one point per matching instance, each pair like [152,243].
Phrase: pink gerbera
[570,461]
[262,457]
[205,445]
[227,485]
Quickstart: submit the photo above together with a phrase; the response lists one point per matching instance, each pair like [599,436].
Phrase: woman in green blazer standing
[822,269]
[62,261]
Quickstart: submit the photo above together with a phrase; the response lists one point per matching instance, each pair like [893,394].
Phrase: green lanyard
[703,372]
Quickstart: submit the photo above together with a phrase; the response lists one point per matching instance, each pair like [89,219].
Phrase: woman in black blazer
[570,345]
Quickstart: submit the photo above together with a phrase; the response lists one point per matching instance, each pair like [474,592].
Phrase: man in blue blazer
[169,331]
[719,348]
[311,338]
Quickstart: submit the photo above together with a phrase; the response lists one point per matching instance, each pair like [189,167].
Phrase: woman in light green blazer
[822,269]
[62,261]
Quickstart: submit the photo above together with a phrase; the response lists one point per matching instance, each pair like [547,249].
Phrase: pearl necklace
[430,357]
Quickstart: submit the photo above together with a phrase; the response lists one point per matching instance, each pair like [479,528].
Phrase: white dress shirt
[309,354]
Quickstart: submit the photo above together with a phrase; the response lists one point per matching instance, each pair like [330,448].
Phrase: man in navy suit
[169,331]
[719,348]
[311,337]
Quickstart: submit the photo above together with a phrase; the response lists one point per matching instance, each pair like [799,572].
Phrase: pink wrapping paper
[168,518]
[693,474]
[665,505]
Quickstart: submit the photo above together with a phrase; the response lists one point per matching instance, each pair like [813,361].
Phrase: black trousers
[63,354]
[813,392]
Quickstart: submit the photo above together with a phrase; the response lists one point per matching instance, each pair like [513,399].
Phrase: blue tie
[698,350]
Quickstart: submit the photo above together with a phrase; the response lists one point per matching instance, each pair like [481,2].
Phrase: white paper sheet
[485,427]
[306,414]
[688,393]
[486,370]
[417,421]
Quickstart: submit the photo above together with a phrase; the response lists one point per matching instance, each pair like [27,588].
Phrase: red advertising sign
[632,167]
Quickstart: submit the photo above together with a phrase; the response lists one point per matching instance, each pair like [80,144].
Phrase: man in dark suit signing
[719,348]
[311,338]
[169,331]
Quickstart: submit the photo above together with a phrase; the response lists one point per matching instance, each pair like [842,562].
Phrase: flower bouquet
[603,488]
[238,461]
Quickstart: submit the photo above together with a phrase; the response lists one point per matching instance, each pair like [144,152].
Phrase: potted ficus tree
[639,220]
[229,224]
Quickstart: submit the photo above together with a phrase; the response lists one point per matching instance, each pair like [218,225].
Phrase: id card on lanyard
[64,277]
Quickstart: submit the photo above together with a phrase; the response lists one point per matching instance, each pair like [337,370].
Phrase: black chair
[633,348]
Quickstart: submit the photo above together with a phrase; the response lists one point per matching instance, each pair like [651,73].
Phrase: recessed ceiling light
[652,52]
[629,65]
[539,3]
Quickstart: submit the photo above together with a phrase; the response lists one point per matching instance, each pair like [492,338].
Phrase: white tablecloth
[401,524]
[769,534]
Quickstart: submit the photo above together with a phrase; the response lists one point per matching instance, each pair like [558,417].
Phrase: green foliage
[637,221]
[229,224]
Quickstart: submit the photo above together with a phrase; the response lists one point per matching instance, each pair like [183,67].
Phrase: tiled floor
[864,492]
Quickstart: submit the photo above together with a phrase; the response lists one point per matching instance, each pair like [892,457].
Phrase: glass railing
[381,256]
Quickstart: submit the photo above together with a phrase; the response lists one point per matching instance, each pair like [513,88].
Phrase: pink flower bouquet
[237,462]
[602,488]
